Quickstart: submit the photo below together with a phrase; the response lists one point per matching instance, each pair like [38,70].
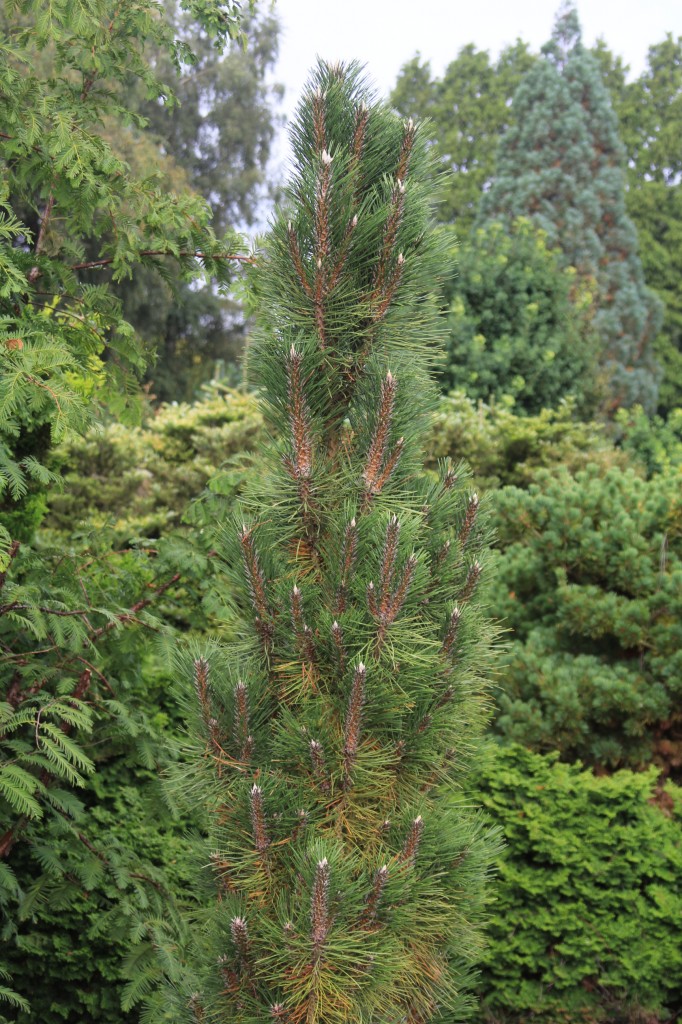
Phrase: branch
[166,252]
[48,611]
[129,616]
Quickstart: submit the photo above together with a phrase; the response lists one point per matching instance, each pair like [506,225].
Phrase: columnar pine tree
[333,740]
[562,163]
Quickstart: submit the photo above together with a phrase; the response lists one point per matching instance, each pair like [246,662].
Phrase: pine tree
[332,742]
[562,163]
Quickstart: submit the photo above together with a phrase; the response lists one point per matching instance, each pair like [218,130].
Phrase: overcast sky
[386,33]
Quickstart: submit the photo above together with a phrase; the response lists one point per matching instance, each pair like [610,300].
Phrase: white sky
[384,34]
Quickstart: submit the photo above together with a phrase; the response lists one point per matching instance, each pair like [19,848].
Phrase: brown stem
[164,252]
[130,615]
[353,721]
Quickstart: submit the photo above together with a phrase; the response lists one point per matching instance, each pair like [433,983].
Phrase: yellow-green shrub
[587,923]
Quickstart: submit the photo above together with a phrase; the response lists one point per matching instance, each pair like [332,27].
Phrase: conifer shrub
[590,582]
[138,481]
[503,447]
[586,925]
[519,322]
[331,742]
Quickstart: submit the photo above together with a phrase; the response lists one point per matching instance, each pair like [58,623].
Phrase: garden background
[132,147]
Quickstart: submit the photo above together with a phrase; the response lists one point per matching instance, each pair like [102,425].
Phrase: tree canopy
[561,164]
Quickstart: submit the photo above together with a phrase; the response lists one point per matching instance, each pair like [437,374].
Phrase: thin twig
[165,252]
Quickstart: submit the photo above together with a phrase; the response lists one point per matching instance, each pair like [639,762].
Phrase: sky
[384,34]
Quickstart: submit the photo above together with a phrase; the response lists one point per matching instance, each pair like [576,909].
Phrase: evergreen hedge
[587,926]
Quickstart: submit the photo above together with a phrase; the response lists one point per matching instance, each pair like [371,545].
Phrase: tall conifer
[332,740]
[562,163]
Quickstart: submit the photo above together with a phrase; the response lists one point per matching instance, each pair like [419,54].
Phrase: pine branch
[337,636]
[469,520]
[319,129]
[242,736]
[406,150]
[319,908]
[377,470]
[322,244]
[260,834]
[254,574]
[471,582]
[408,854]
[373,898]
[388,561]
[319,766]
[451,632]
[353,721]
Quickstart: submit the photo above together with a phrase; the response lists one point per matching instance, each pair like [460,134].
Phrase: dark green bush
[590,582]
[587,924]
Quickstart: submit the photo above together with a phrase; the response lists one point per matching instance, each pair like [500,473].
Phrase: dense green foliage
[570,181]
[515,324]
[218,136]
[590,582]
[652,441]
[82,718]
[99,897]
[348,873]
[470,108]
[136,482]
[503,447]
[72,212]
[587,922]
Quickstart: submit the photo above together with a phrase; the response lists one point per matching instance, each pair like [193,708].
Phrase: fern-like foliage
[74,219]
